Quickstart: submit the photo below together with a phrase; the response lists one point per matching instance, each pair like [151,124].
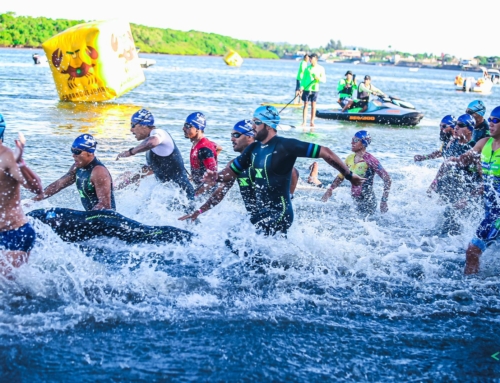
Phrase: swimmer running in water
[17,237]
[486,152]
[365,165]
[241,137]
[269,162]
[93,181]
[163,157]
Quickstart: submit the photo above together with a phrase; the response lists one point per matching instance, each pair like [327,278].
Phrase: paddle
[307,86]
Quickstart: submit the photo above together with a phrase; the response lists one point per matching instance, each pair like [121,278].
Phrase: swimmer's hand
[210,177]
[124,154]
[192,217]
[357,180]
[38,197]
[327,195]
[19,150]
[419,158]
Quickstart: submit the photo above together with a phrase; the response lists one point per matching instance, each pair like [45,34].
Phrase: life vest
[365,96]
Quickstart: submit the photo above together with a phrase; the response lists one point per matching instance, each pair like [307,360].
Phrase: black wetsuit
[247,191]
[458,183]
[76,226]
[480,131]
[87,191]
[170,168]
[270,170]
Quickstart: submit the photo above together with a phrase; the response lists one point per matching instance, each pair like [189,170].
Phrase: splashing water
[340,298]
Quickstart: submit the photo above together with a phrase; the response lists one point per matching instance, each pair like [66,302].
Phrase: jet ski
[385,110]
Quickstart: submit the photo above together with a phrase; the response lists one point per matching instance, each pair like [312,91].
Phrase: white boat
[146,63]
[494,76]
[413,69]
[470,84]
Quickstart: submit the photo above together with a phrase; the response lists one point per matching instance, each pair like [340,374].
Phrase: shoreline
[458,68]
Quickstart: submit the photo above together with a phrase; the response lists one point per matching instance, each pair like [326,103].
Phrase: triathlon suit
[76,226]
[167,164]
[363,194]
[458,182]
[247,190]
[88,195]
[20,239]
[489,228]
[270,169]
[203,156]
[480,131]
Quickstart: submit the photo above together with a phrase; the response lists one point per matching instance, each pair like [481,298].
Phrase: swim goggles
[494,120]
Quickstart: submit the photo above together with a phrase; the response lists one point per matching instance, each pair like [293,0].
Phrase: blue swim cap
[244,127]
[268,115]
[494,113]
[467,121]
[85,142]
[198,120]
[2,127]
[449,120]
[143,117]
[364,136]
[476,106]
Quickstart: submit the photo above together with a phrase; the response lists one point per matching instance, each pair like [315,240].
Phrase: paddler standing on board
[313,75]
[304,63]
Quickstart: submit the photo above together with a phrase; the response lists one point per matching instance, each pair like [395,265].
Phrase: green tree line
[25,31]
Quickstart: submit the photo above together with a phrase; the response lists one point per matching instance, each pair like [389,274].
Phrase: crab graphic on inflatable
[77,64]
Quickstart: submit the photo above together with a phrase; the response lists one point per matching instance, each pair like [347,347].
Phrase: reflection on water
[359,300]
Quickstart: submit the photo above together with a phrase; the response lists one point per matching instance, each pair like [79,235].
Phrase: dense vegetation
[21,31]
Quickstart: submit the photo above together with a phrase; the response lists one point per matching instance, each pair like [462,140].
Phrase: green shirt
[302,67]
[313,75]
[341,87]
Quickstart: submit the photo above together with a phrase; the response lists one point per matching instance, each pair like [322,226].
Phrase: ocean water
[341,299]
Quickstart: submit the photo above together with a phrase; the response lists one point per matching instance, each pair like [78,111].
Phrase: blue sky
[463,29]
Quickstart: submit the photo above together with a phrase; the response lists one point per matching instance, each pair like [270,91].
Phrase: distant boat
[413,69]
[146,63]
[355,62]
[232,58]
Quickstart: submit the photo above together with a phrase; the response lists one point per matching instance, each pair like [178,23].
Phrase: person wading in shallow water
[364,165]
[17,237]
[269,162]
[163,157]
[487,153]
[93,181]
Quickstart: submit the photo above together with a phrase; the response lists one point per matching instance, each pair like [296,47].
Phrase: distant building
[469,62]
[347,54]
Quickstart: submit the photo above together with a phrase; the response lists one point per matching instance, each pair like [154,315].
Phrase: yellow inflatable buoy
[459,80]
[232,58]
[94,61]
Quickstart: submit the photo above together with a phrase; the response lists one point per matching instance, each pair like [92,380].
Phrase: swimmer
[269,162]
[365,165]
[476,109]
[17,237]
[446,128]
[486,152]
[77,226]
[241,137]
[163,157]
[204,152]
[93,181]
[459,186]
